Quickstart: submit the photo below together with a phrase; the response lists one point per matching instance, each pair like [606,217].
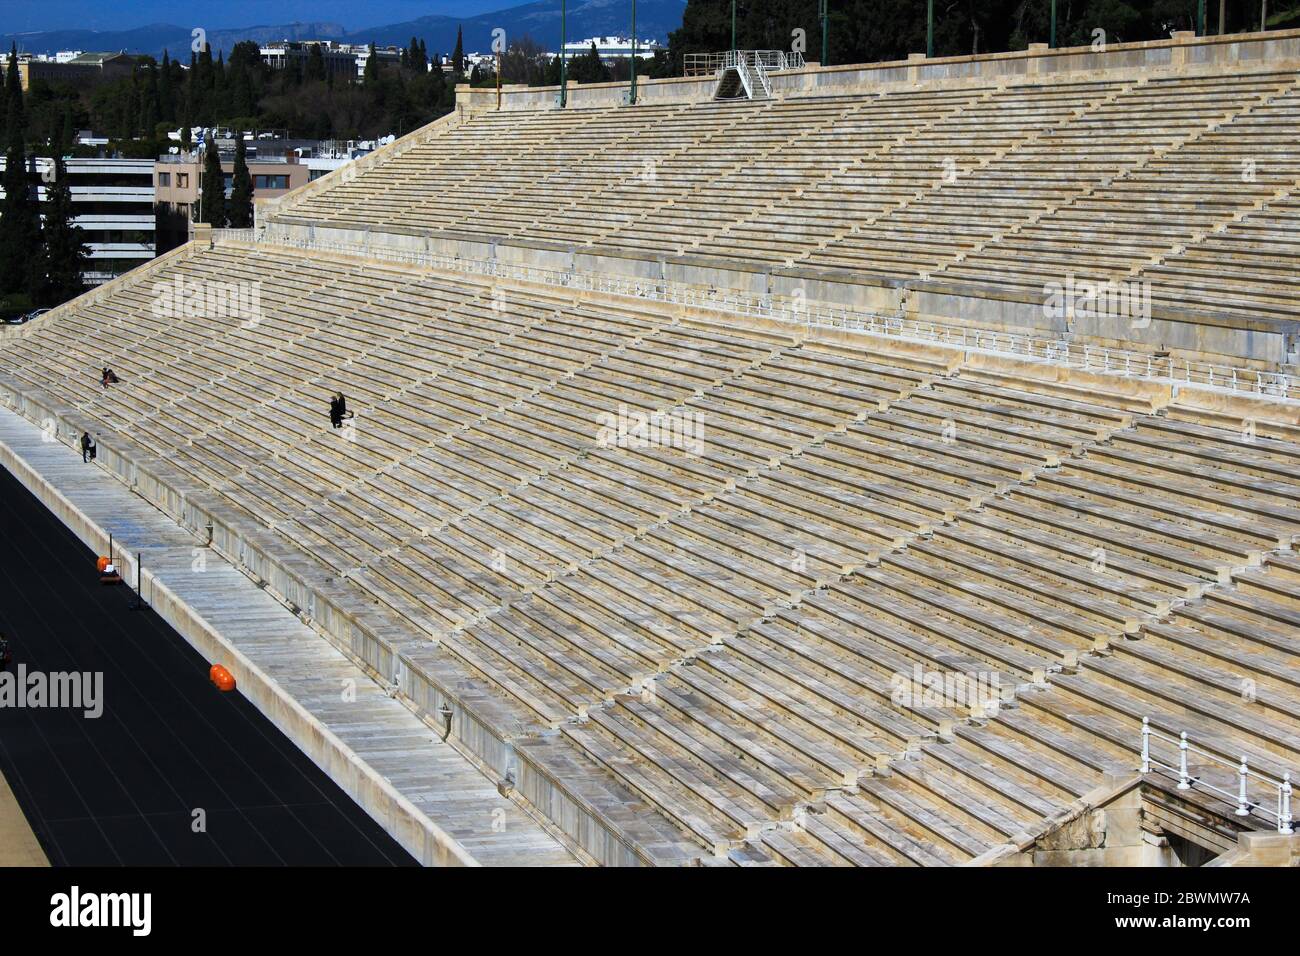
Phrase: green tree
[239,211]
[212,201]
[20,224]
[64,255]
[370,75]
[315,68]
[166,92]
[13,107]
[458,55]
[589,68]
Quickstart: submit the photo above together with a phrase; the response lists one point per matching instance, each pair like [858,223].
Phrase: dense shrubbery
[864,31]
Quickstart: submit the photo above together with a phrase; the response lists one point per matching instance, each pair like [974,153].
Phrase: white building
[113,204]
[612,48]
[337,60]
[385,54]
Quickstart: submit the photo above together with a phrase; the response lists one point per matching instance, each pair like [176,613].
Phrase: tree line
[304,99]
[866,31]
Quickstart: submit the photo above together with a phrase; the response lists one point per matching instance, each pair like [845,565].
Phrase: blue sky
[22,16]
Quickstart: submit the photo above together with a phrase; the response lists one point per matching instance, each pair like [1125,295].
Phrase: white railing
[797,312]
[234,235]
[742,70]
[1281,788]
[762,79]
[711,64]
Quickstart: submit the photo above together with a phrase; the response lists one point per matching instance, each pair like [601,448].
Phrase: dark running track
[121,790]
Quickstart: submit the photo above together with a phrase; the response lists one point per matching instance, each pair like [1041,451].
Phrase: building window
[182,180]
[270,182]
[164,179]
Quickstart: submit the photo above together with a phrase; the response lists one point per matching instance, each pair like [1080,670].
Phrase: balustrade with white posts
[1281,789]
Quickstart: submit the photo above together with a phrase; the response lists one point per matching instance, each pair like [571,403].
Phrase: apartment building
[177,178]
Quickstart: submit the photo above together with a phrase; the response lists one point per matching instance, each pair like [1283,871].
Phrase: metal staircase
[742,73]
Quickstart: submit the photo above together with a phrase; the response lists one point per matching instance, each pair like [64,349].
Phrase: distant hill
[540,20]
[655,19]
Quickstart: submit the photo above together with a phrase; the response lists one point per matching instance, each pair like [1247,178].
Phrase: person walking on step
[336,415]
[341,405]
[87,447]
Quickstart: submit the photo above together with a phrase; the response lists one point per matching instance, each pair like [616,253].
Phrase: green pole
[631,96]
[825,30]
[929,28]
[564,26]
[733,26]
[1052,40]
[1200,18]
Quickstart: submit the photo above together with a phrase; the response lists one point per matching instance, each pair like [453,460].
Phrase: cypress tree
[458,56]
[371,72]
[10,67]
[68,136]
[20,224]
[315,63]
[166,98]
[64,254]
[240,209]
[213,199]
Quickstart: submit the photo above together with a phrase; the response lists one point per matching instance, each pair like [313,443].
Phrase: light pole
[631,92]
[733,26]
[1051,42]
[825,15]
[564,26]
[929,28]
[1200,18]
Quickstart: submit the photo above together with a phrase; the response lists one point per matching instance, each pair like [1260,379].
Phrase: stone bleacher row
[721,629]
[1188,183]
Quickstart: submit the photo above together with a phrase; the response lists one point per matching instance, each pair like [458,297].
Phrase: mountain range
[540,20]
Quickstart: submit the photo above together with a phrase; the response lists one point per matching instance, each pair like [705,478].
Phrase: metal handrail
[761,73]
[710,64]
[1244,774]
[742,70]
[797,311]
